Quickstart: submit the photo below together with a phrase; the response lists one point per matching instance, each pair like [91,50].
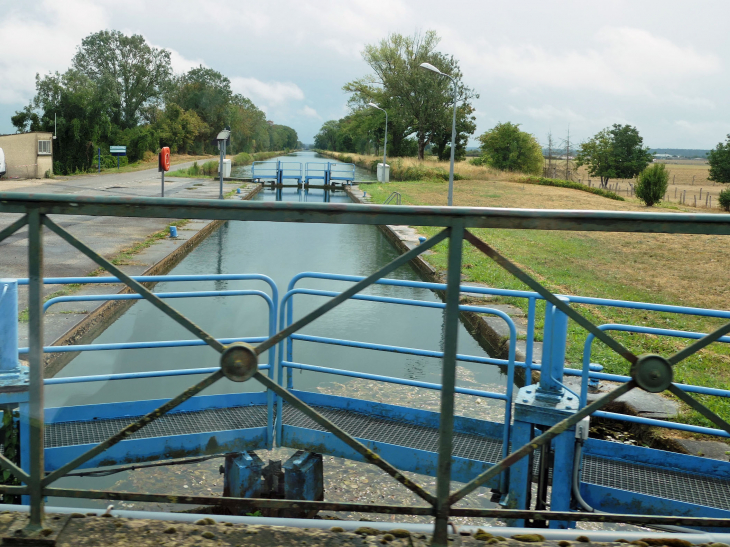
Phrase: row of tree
[419,103]
[120,90]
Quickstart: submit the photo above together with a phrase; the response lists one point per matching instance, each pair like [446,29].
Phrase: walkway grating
[643,479]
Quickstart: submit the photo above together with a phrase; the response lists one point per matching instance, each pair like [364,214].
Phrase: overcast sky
[548,65]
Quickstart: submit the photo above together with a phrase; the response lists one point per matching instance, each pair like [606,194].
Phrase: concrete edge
[98,320]
[496,344]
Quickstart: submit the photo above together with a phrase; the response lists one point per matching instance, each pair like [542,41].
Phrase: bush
[724,199]
[652,184]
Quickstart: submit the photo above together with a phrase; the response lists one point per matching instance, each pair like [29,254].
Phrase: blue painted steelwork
[288,363]
[316,171]
[264,170]
[342,171]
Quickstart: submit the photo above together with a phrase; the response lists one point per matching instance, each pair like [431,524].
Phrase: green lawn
[689,271]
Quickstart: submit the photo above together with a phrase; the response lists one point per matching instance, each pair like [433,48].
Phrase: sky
[551,66]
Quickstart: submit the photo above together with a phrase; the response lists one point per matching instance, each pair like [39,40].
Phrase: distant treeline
[122,91]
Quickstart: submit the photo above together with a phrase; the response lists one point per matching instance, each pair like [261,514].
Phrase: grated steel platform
[642,479]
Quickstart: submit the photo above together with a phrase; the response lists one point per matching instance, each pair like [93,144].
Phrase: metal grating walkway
[179,423]
[643,479]
[471,447]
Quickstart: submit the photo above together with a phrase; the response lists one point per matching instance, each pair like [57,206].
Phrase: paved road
[106,235]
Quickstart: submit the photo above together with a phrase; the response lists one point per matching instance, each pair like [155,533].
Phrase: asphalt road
[106,235]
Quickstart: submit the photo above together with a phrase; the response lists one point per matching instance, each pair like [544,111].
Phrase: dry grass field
[687,270]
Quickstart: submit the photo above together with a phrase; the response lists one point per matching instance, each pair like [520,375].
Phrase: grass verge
[685,270]
[542,181]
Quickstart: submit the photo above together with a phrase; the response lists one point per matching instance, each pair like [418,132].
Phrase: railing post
[553,353]
[35,357]
[448,382]
[8,326]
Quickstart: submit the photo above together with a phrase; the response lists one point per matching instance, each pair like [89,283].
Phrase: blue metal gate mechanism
[543,433]
[329,175]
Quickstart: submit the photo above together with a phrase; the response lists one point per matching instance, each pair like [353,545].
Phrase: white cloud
[310,112]
[179,63]
[273,93]
[621,61]
[41,39]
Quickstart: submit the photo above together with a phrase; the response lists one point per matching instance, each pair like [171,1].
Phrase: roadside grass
[410,169]
[149,163]
[210,168]
[685,270]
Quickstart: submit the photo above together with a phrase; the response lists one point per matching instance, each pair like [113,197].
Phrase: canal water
[280,251]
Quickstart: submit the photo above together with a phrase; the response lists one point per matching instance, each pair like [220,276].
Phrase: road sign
[118,150]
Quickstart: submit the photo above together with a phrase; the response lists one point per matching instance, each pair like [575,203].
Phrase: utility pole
[567,155]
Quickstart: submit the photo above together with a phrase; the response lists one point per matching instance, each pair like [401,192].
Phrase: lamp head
[373,105]
[429,66]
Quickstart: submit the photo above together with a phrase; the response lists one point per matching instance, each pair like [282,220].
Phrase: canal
[280,251]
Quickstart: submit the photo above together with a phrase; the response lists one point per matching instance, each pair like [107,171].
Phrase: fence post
[35,358]
[448,382]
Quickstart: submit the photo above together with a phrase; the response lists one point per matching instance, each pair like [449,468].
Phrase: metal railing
[239,362]
[393,196]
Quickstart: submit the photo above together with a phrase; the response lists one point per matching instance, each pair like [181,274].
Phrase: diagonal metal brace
[14,469]
[356,288]
[537,442]
[550,297]
[136,285]
[699,407]
[133,427]
[14,227]
[699,344]
[345,437]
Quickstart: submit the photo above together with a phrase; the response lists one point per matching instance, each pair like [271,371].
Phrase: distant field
[688,176]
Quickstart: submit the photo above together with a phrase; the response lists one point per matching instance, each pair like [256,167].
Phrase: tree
[719,159]
[423,100]
[465,126]
[178,128]
[207,92]
[326,138]
[507,148]
[127,69]
[615,152]
[652,184]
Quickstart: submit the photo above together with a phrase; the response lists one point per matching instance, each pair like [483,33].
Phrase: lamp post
[222,138]
[385,146]
[432,68]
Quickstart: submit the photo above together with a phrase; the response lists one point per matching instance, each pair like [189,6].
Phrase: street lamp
[385,146]
[429,66]
[222,137]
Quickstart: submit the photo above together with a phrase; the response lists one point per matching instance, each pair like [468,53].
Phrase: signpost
[118,151]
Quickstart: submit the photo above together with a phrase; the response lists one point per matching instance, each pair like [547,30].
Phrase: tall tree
[127,68]
[422,98]
[614,152]
[208,93]
[719,159]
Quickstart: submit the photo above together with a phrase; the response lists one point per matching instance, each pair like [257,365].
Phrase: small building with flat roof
[28,155]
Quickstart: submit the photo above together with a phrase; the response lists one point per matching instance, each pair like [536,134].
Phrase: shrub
[724,199]
[652,184]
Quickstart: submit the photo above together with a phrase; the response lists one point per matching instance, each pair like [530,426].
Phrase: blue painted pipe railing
[271,301]
[587,372]
[286,314]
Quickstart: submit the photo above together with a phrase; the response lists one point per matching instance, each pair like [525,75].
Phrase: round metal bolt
[652,373]
[239,362]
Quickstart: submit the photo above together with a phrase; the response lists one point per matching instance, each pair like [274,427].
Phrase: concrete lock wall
[22,158]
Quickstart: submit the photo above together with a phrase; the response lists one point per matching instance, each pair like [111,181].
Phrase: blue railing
[271,301]
[286,363]
[264,170]
[342,171]
[286,317]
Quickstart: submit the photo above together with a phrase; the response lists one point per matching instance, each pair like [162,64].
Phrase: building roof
[28,133]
